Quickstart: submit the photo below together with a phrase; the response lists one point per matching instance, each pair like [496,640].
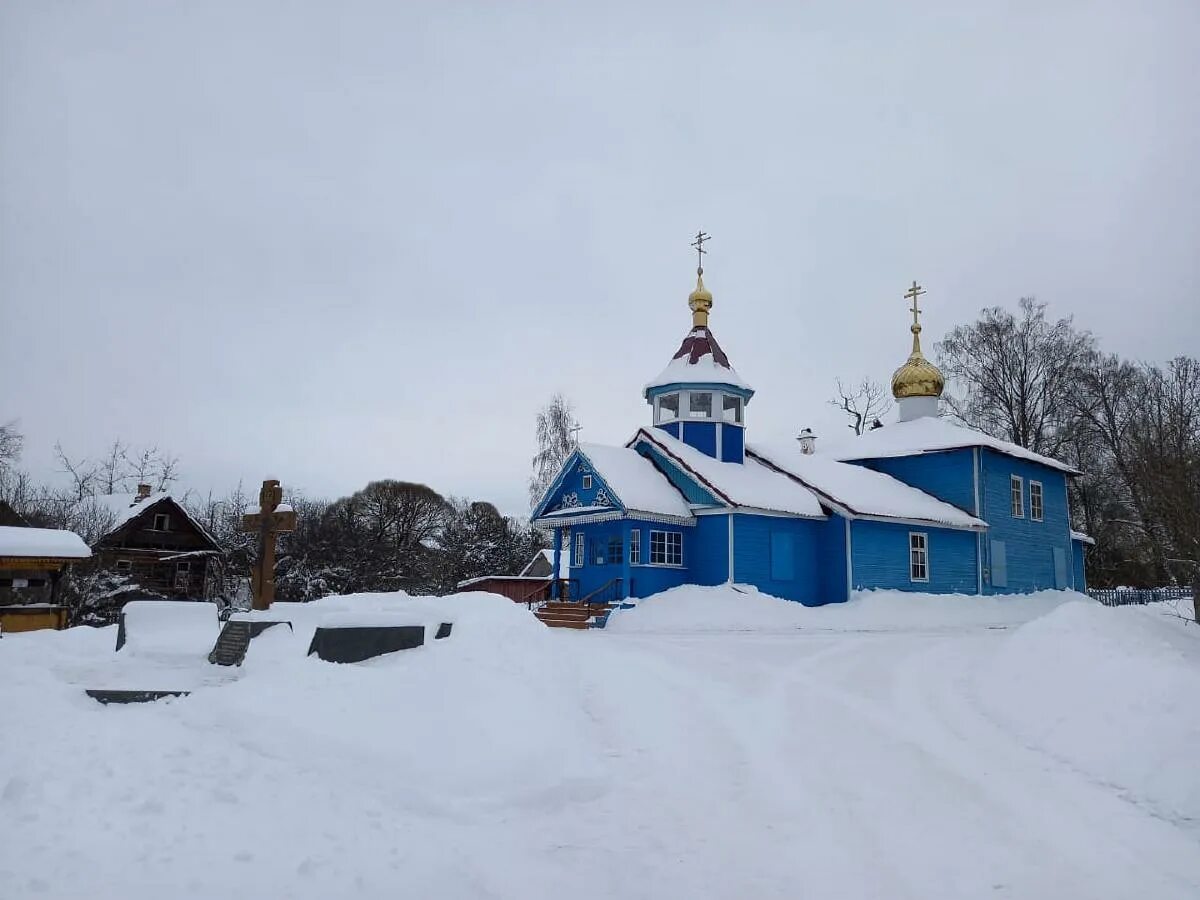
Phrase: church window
[918,556]
[616,552]
[635,547]
[1037,508]
[666,548]
[668,407]
[587,482]
[700,405]
[578,561]
[731,409]
[1018,497]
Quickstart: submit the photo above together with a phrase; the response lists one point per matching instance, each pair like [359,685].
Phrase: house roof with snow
[41,543]
[634,486]
[929,434]
[121,509]
[750,485]
[859,491]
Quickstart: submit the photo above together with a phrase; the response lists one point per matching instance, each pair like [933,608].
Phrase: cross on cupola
[912,294]
[700,300]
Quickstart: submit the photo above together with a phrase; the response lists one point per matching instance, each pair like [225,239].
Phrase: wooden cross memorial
[269,521]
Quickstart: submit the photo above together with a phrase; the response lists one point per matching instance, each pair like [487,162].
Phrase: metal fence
[1140,596]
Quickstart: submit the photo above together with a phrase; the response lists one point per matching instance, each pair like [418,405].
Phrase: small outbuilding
[32,561]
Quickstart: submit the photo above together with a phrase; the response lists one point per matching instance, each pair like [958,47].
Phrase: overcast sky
[334,242]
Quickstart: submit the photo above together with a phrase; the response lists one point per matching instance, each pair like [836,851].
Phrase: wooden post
[269,521]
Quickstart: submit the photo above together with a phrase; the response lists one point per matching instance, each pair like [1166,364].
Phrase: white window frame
[658,409]
[580,547]
[183,572]
[918,552]
[166,520]
[1016,492]
[587,482]
[1037,514]
[701,416]
[635,546]
[738,409]
[668,538]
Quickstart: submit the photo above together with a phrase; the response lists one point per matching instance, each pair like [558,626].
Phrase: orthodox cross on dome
[698,243]
[912,294]
[269,521]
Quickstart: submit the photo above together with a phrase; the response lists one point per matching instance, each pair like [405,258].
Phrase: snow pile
[692,609]
[1111,691]
[170,626]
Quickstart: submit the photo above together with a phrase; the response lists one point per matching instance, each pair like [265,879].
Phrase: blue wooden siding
[1077,566]
[948,475]
[640,580]
[1028,545]
[733,443]
[702,436]
[831,560]
[881,558]
[708,562]
[753,538]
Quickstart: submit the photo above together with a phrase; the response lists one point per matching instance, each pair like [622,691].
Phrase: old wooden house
[153,540]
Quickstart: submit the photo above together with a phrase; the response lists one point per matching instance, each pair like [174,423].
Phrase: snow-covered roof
[750,484]
[51,543]
[122,508]
[859,490]
[1082,538]
[634,479]
[930,435]
[699,359]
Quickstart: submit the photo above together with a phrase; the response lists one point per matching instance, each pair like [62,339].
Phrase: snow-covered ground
[710,743]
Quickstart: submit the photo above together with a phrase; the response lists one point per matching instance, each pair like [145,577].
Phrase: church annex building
[920,504]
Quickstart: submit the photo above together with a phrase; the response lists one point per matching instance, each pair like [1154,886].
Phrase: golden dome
[700,301]
[918,377]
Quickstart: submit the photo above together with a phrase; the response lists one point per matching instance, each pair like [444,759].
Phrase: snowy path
[853,764]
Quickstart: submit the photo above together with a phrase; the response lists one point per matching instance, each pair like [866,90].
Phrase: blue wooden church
[920,504]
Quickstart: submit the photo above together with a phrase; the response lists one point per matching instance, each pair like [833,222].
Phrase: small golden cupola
[917,385]
[700,301]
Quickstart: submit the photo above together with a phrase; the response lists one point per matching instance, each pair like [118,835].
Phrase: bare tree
[11,444]
[555,435]
[1017,373]
[84,474]
[865,404]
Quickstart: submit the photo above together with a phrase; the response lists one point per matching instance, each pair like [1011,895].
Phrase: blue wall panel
[1029,545]
[881,560]
[733,443]
[686,485]
[831,560]
[949,475]
[752,555]
[708,561]
[702,436]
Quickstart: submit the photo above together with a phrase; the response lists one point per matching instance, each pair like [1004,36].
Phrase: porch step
[571,615]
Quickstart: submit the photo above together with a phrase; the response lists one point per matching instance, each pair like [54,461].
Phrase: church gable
[578,486]
[691,489]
